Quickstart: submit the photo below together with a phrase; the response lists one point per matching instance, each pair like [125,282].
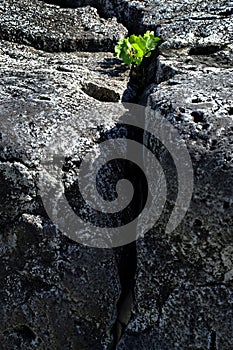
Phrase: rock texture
[183,282]
[169,291]
[55,294]
[52,28]
[183,291]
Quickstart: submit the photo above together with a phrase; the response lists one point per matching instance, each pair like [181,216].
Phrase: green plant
[133,49]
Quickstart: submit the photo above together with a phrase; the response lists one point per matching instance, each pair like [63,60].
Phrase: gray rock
[51,296]
[170,290]
[40,92]
[183,282]
[203,24]
[180,23]
[51,28]
[51,291]
[129,13]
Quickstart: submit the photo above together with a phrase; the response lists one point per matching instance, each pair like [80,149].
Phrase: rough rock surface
[58,294]
[183,291]
[55,294]
[183,282]
[52,28]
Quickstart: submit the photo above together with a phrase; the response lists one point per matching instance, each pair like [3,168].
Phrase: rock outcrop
[183,283]
[55,294]
[166,291]
[54,29]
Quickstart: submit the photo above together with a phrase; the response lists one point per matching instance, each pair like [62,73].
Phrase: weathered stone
[180,23]
[51,296]
[58,294]
[192,23]
[183,288]
[51,28]
[52,290]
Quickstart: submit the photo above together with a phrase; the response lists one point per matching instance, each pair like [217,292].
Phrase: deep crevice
[213,341]
[126,256]
[127,263]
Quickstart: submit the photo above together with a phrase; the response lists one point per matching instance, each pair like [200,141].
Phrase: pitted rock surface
[58,294]
[196,254]
[184,289]
[51,28]
[50,289]
[51,296]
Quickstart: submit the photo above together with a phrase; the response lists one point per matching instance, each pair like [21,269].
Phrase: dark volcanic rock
[58,294]
[183,288]
[180,23]
[130,13]
[51,28]
[39,93]
[55,294]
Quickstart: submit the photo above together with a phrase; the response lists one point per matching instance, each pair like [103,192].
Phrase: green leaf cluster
[133,49]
